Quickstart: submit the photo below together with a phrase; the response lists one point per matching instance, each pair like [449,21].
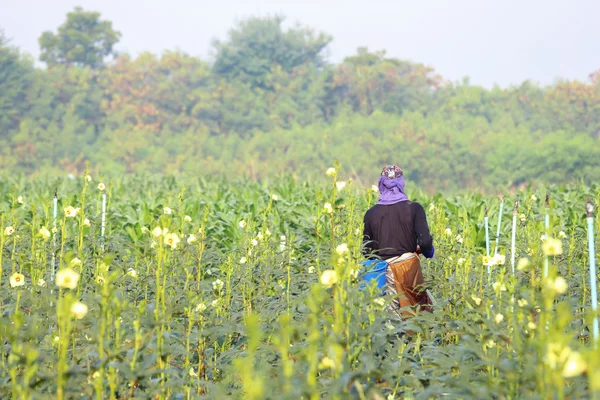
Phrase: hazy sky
[491,41]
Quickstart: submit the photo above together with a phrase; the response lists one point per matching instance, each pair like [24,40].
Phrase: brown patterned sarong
[405,282]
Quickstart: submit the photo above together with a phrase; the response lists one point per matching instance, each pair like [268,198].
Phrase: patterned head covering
[391,185]
[392,172]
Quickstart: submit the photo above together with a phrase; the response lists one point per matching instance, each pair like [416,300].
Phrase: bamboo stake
[487,238]
[592,255]
[514,234]
[102,229]
[547,231]
[499,222]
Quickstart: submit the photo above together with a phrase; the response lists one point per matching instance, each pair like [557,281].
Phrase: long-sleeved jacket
[395,229]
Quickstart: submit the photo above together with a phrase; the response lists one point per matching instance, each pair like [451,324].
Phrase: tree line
[270,103]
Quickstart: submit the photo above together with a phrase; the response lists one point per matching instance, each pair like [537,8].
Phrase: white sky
[492,41]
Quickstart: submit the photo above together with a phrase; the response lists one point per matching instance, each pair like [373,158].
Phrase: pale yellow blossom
[171,239]
[329,278]
[44,232]
[67,278]
[340,185]
[552,247]
[71,211]
[79,310]
[342,249]
[17,279]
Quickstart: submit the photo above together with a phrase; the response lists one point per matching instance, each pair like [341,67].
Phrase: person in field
[396,230]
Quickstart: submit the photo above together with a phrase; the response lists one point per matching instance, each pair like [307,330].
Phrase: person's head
[391,172]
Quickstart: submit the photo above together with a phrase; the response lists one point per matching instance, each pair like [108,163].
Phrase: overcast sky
[500,42]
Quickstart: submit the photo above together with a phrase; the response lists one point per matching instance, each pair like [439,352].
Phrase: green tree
[16,78]
[257,45]
[83,40]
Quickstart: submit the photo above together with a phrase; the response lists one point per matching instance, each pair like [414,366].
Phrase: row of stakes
[590,227]
[589,209]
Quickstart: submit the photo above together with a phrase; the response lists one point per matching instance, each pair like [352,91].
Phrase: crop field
[238,289]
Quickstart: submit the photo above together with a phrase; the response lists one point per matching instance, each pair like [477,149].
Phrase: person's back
[395,229]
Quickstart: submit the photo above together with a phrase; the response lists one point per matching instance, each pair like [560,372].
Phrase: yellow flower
[531,325]
[329,278]
[242,224]
[243,260]
[171,239]
[311,270]
[331,172]
[477,300]
[327,363]
[562,235]
[522,217]
[533,197]
[71,211]
[167,210]
[79,310]
[522,302]
[9,230]
[448,231]
[488,261]
[574,366]
[191,239]
[157,232]
[144,229]
[67,278]
[552,247]
[379,302]
[201,307]
[490,343]
[556,355]
[20,199]
[88,178]
[523,264]
[187,218]
[75,262]
[498,286]
[431,207]
[132,273]
[274,197]
[559,285]
[328,208]
[101,186]
[374,189]
[44,232]
[86,222]
[218,284]
[499,259]
[100,280]
[41,282]
[17,279]
[499,318]
[342,249]
[340,185]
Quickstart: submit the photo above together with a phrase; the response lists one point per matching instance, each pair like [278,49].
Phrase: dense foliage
[210,289]
[270,102]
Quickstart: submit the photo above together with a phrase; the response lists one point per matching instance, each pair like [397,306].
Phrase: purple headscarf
[391,186]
